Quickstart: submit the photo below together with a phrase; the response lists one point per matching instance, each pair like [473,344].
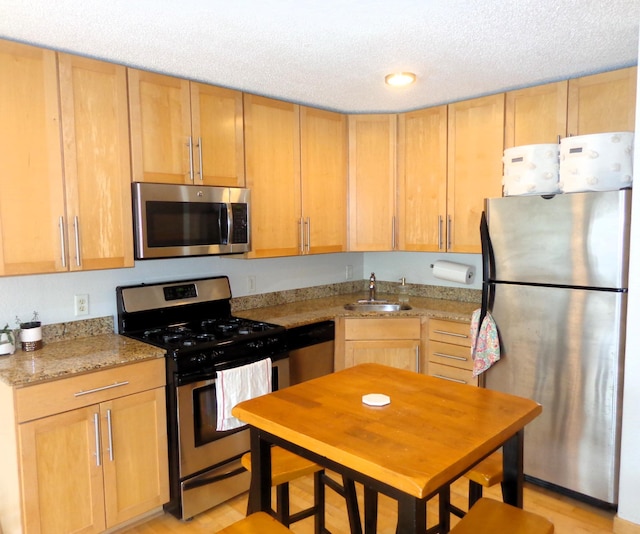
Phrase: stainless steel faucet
[372,287]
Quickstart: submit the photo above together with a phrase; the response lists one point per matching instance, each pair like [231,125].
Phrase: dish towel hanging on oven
[485,343]
[237,385]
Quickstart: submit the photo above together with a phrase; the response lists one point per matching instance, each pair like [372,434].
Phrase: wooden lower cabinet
[394,341]
[450,351]
[96,466]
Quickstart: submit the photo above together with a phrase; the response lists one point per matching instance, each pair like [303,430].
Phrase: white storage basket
[596,162]
[531,170]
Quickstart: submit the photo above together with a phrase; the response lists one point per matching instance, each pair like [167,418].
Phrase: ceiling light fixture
[400,79]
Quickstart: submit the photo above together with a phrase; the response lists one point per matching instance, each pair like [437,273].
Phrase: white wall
[628,508]
[52,295]
[416,267]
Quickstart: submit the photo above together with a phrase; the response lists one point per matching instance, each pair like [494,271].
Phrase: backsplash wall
[52,295]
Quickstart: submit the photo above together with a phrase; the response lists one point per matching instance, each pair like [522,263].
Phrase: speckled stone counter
[78,355]
[313,310]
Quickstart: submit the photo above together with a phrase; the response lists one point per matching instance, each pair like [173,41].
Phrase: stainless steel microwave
[172,220]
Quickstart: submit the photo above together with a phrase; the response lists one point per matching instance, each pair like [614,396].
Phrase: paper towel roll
[454,272]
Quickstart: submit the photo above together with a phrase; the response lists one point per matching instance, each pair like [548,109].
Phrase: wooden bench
[258,523]
[490,517]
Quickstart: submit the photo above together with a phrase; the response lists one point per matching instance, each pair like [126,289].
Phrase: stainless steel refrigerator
[555,282]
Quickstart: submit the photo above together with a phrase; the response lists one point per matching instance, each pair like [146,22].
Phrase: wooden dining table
[430,433]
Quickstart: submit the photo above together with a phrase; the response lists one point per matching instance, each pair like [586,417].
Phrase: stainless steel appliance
[555,280]
[311,350]
[172,220]
[192,320]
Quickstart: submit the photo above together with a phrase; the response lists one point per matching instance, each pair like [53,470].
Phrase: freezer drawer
[563,348]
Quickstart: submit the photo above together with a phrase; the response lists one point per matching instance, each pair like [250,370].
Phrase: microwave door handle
[229,224]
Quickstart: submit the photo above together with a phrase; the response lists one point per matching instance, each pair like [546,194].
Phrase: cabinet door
[32,199]
[218,135]
[95,129]
[536,115]
[323,153]
[134,443]
[475,150]
[272,146]
[160,118]
[602,103]
[62,483]
[422,177]
[400,353]
[372,184]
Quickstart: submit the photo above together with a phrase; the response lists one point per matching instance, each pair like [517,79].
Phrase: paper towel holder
[453,272]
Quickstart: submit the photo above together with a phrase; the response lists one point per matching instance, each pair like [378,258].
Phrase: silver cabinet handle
[450,356]
[417,358]
[439,232]
[96,427]
[308,244]
[451,379]
[300,236]
[76,231]
[190,145]
[200,158]
[110,435]
[62,248]
[393,232]
[454,334]
[448,232]
[102,388]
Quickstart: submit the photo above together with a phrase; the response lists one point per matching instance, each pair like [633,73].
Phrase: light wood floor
[569,516]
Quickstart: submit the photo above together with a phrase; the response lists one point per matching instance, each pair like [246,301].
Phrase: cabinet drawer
[58,396]
[450,332]
[448,354]
[454,374]
[383,328]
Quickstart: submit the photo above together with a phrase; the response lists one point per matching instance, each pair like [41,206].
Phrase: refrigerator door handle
[488,261]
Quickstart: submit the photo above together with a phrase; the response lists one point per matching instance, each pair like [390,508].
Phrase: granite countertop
[64,358]
[328,308]
[91,345]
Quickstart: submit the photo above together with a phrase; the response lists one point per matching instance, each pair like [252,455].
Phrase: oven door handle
[205,481]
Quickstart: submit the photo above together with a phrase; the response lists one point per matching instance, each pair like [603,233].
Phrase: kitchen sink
[376,306]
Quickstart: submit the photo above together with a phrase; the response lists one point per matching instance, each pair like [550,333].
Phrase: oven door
[201,446]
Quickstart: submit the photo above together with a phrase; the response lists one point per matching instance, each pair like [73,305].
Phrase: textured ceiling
[335,53]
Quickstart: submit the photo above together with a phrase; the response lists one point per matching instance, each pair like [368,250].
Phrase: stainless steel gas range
[192,320]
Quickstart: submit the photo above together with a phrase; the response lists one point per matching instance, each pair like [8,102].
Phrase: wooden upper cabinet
[95,129]
[184,132]
[372,182]
[32,199]
[422,179]
[218,135]
[602,102]
[272,151]
[536,115]
[323,168]
[475,153]
[160,115]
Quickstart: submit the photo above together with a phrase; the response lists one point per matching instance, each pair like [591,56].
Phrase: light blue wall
[52,295]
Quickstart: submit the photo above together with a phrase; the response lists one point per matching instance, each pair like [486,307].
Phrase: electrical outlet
[81,304]
[349,272]
[251,284]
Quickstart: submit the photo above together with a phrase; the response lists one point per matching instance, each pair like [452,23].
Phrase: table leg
[370,511]
[260,488]
[512,466]
[412,515]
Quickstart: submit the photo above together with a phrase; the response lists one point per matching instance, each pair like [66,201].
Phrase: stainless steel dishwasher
[310,350]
